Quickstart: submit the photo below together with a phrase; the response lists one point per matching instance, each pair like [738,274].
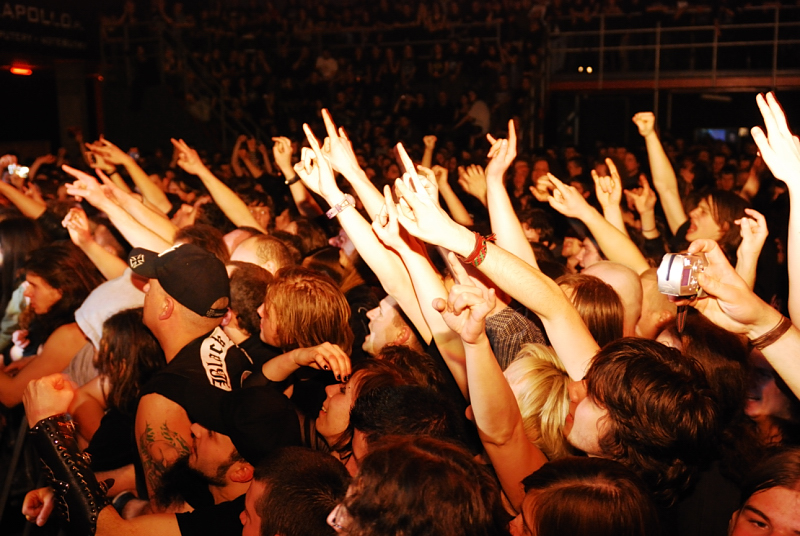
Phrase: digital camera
[677,275]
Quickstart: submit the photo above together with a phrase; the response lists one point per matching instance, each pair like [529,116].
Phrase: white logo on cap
[136,261]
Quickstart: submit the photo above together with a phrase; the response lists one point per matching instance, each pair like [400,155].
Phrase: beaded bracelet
[772,335]
[479,251]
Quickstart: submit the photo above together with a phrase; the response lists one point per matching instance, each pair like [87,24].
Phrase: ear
[167,308]
[403,336]
[241,472]
[228,319]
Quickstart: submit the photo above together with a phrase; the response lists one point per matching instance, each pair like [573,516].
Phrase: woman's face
[703,224]
[773,511]
[334,417]
[40,294]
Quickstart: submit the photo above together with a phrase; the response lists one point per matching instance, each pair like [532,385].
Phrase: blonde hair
[539,381]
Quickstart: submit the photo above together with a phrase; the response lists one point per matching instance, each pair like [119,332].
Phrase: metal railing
[768,48]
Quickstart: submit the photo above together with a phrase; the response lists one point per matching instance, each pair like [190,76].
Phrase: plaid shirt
[508,330]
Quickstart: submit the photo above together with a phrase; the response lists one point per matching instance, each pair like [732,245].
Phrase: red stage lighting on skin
[23,71]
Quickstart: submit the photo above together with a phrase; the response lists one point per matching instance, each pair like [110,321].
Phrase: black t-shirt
[259,351]
[220,519]
[210,361]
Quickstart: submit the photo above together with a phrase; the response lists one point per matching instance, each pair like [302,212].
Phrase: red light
[24,71]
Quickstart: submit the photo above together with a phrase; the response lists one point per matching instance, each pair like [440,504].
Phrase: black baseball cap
[188,273]
[258,420]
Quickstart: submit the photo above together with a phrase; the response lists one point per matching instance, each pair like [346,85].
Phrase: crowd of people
[291,343]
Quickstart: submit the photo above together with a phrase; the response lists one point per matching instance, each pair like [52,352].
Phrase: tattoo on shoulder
[159,450]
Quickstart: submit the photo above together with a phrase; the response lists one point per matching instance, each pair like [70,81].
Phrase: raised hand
[339,150]
[779,148]
[429,141]
[424,219]
[567,199]
[77,224]
[467,305]
[473,180]
[315,170]
[502,154]
[282,152]
[109,152]
[645,122]
[608,188]
[754,233]
[643,198]
[386,225]
[427,178]
[729,303]
[542,189]
[188,159]
[85,187]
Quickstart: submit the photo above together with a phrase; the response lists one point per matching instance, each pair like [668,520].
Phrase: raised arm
[152,218]
[236,161]
[497,415]
[617,246]
[609,193]
[731,305]
[427,156]
[317,173]
[30,207]
[87,187]
[428,287]
[780,150]
[77,224]
[457,209]
[305,202]
[664,179]
[754,233]
[231,204]
[343,160]
[149,190]
[567,332]
[504,221]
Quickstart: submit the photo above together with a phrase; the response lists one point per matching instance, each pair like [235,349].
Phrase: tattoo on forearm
[158,451]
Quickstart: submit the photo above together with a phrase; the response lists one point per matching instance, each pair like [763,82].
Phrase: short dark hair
[420,367]
[302,487]
[249,284]
[205,236]
[406,410]
[662,416]
[587,497]
[422,485]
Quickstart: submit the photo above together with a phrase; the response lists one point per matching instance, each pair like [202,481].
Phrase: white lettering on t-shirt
[213,352]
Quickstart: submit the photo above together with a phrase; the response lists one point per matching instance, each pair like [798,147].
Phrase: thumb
[439,304]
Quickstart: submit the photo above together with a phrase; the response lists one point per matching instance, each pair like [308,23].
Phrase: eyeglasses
[339,518]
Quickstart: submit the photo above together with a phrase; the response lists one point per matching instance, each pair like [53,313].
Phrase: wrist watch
[348,201]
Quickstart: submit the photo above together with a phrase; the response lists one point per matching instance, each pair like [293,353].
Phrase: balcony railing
[768,47]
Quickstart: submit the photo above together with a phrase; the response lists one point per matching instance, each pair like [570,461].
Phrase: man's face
[385,326]
[588,255]
[251,521]
[585,422]
[269,327]
[210,454]
[40,294]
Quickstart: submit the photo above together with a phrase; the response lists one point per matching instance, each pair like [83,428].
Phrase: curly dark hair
[662,415]
[421,485]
